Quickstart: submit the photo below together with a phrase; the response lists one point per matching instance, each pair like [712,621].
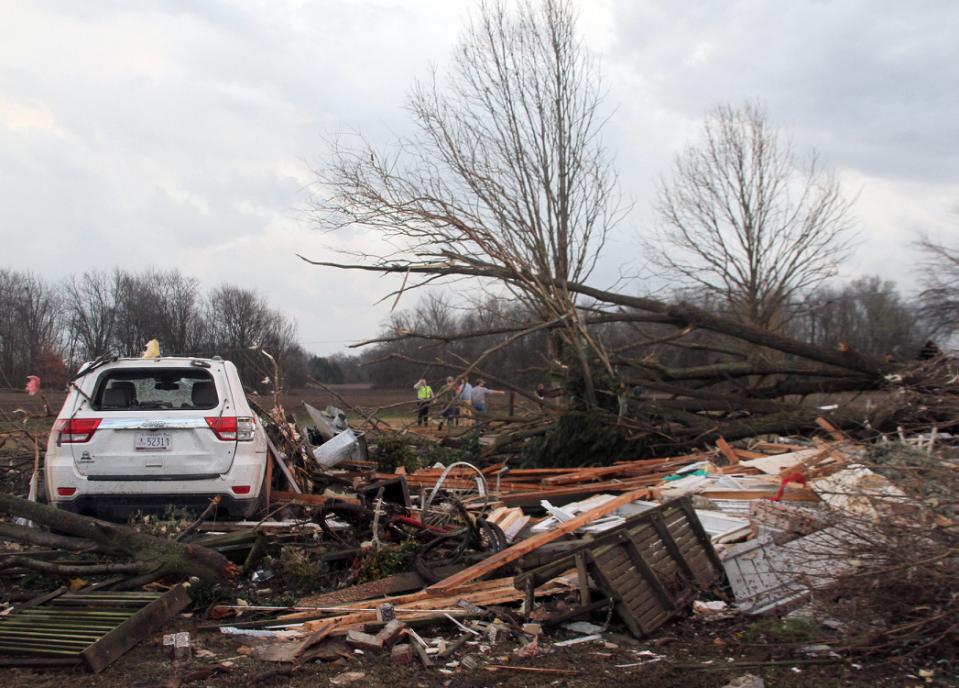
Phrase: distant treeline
[49,328]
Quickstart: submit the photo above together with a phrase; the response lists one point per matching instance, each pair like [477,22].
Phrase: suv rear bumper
[120,507]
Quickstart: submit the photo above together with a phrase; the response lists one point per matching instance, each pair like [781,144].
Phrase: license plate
[153,441]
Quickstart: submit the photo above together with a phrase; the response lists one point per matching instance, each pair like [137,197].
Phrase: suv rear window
[145,389]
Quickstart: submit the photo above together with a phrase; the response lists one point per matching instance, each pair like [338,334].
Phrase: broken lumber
[727,450]
[282,496]
[511,554]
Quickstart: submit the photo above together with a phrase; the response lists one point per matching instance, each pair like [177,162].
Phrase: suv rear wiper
[86,370]
[96,363]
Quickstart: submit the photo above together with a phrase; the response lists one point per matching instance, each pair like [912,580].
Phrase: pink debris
[33,385]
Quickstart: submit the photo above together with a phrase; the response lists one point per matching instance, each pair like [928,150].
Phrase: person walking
[464,392]
[451,412]
[424,397]
[478,400]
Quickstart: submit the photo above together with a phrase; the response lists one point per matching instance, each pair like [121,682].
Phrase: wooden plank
[423,605]
[727,450]
[803,494]
[560,496]
[135,629]
[46,597]
[582,579]
[283,467]
[584,474]
[511,554]
[833,431]
[652,580]
[702,536]
[660,525]
[775,448]
[397,584]
[669,461]
[746,454]
[279,496]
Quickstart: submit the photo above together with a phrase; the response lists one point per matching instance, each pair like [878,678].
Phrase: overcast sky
[180,134]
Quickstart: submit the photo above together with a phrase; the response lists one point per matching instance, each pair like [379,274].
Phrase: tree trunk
[156,557]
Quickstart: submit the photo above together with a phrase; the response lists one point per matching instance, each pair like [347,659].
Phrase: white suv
[144,434]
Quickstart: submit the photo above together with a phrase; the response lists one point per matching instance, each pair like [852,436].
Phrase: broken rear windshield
[143,389]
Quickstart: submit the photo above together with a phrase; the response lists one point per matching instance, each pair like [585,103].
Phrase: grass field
[392,405]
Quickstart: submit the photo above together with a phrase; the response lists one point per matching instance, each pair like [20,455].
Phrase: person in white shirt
[478,398]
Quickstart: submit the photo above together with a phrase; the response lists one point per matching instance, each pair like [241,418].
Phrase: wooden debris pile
[656,533]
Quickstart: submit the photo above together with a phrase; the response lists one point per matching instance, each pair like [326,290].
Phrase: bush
[297,572]
[413,452]
[389,560]
[580,438]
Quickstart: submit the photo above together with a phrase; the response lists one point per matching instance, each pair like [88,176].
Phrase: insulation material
[860,492]
[774,465]
[152,350]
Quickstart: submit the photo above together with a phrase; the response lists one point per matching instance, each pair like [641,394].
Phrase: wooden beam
[833,431]
[511,554]
[136,629]
[727,450]
[283,467]
[280,496]
[559,496]
[802,494]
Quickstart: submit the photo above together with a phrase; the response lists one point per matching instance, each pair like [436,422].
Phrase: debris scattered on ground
[460,566]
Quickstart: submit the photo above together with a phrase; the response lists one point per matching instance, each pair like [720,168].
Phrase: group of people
[460,399]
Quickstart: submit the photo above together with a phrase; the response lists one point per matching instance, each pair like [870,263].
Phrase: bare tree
[508,168]
[178,303]
[92,304]
[940,295]
[238,323]
[30,320]
[744,219]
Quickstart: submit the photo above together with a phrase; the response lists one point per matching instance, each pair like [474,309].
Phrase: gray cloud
[181,134]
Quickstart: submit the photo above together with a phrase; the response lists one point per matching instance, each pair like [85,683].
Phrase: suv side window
[145,389]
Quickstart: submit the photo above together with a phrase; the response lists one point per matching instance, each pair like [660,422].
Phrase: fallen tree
[144,556]
[760,390]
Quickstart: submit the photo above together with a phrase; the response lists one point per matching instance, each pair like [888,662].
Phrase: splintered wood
[511,554]
[764,470]
[527,487]
[425,605]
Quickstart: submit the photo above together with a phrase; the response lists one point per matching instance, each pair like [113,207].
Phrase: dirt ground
[692,654]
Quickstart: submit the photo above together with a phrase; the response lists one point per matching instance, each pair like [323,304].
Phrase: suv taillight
[230,428]
[76,430]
